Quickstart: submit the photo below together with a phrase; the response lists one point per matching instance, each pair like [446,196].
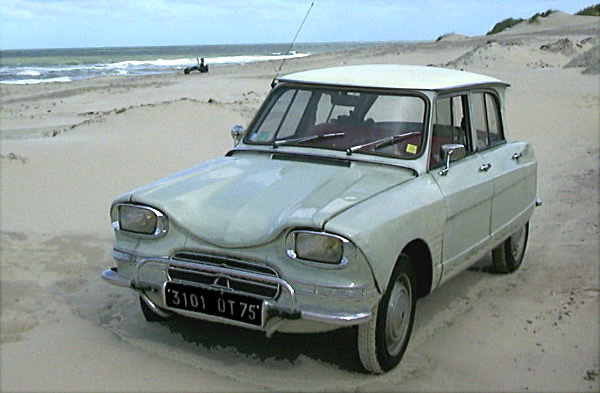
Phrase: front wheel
[508,256]
[383,340]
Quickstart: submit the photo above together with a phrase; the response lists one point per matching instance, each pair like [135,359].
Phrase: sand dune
[556,20]
[67,149]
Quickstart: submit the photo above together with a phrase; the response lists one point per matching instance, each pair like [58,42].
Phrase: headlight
[138,219]
[318,247]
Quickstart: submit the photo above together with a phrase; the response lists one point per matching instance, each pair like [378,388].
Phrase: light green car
[354,191]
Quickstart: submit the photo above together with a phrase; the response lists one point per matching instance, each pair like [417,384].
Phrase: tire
[508,256]
[383,340]
[150,315]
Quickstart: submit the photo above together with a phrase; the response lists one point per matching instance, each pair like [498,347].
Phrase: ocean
[32,66]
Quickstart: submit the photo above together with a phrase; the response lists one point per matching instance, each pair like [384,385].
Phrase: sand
[68,148]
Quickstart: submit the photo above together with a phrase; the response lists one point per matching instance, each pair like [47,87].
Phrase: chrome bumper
[276,314]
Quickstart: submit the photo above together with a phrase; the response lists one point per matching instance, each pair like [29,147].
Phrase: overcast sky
[100,23]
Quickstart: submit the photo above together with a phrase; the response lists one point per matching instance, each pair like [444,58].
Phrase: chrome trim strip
[153,306]
[338,319]
[112,277]
[122,254]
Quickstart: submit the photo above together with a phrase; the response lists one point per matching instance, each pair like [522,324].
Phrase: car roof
[392,76]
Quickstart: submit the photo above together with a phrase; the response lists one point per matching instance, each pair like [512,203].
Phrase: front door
[466,187]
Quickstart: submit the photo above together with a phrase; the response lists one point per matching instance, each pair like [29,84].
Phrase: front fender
[383,225]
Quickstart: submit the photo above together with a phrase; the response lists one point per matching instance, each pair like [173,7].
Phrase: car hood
[248,200]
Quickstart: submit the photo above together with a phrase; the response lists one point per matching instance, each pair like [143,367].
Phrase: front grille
[236,284]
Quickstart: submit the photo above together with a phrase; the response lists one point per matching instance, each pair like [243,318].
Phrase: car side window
[450,125]
[487,120]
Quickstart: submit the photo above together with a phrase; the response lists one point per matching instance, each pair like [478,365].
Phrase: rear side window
[487,120]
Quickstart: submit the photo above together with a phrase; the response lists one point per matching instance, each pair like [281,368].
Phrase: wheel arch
[420,259]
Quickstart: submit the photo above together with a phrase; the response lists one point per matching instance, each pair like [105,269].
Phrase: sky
[28,24]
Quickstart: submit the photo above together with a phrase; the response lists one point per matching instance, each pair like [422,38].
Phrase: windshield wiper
[382,142]
[306,138]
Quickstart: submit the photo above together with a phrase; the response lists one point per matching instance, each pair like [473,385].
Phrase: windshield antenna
[292,44]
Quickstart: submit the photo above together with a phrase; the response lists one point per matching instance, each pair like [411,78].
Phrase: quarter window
[487,120]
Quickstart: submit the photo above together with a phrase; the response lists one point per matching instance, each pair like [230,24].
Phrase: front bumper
[289,307]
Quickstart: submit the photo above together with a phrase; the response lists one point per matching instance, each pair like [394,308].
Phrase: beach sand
[68,148]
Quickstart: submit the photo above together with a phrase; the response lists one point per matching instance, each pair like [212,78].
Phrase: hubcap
[398,315]
[517,244]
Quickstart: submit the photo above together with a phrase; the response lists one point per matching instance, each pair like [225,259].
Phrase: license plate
[216,303]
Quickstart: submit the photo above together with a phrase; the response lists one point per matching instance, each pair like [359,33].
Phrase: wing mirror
[451,152]
[237,133]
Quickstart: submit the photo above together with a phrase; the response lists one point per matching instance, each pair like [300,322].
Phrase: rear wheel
[382,341]
[508,256]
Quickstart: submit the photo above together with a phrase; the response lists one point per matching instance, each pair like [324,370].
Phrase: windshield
[350,120]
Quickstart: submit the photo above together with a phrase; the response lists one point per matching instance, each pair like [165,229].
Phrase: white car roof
[392,76]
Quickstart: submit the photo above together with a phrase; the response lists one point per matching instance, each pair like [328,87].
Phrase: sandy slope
[68,149]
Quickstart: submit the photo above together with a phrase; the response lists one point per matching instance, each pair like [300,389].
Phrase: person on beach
[201,66]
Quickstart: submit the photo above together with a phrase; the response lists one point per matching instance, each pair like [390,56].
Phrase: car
[354,191]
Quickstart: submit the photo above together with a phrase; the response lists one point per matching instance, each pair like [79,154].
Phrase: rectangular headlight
[317,247]
[139,219]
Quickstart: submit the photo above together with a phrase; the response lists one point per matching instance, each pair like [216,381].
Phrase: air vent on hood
[310,159]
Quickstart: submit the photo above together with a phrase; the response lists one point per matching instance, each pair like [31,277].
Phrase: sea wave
[36,81]
[68,73]
[29,73]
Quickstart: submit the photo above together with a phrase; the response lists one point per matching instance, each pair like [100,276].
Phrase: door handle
[485,167]
[516,156]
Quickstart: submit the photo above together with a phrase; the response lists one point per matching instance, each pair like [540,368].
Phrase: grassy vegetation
[503,25]
[593,10]
[538,15]
[443,36]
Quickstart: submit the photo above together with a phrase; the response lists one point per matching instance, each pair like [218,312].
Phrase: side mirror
[449,153]
[237,133]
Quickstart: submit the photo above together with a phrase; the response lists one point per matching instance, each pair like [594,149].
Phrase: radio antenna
[292,44]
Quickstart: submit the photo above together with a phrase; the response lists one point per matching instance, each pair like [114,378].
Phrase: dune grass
[593,10]
[503,25]
[535,17]
[443,36]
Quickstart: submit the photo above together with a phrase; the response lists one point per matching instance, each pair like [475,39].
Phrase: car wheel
[150,315]
[383,340]
[507,257]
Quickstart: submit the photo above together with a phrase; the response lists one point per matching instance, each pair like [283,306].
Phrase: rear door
[511,165]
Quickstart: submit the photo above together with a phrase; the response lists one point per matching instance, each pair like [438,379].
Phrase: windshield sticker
[410,148]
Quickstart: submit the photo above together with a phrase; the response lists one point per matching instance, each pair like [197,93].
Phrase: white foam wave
[67,73]
[36,81]
[250,59]
[156,63]
[29,73]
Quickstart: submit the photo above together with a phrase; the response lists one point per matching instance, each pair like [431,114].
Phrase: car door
[511,165]
[465,186]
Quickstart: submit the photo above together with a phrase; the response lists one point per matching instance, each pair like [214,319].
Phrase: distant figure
[202,67]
